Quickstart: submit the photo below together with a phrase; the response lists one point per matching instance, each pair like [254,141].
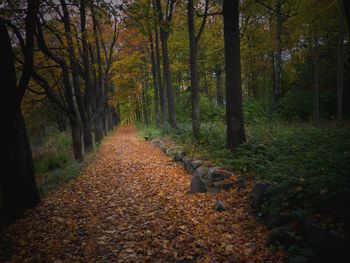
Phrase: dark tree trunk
[17,181]
[99,123]
[164,36]
[278,53]
[346,5]
[234,112]
[87,129]
[162,91]
[340,65]
[316,88]
[193,71]
[155,80]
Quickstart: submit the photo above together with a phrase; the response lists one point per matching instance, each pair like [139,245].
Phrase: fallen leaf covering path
[131,204]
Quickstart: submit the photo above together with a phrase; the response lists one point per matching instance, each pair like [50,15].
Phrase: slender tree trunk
[17,181]
[87,131]
[346,6]
[219,90]
[316,91]
[100,130]
[88,82]
[340,65]
[162,91]
[164,36]
[278,53]
[234,112]
[194,72]
[155,80]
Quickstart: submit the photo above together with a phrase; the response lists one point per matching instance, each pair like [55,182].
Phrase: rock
[217,174]
[170,151]
[273,221]
[195,164]
[242,181]
[179,156]
[282,236]
[318,235]
[250,248]
[212,190]
[259,194]
[219,206]
[223,185]
[187,164]
[198,184]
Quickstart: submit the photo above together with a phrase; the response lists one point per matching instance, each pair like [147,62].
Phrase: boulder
[259,194]
[219,206]
[195,164]
[179,156]
[170,151]
[273,221]
[242,181]
[224,185]
[197,185]
[217,174]
[282,236]
[187,164]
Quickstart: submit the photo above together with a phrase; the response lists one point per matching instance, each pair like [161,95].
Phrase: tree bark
[164,36]
[17,181]
[162,91]
[316,91]
[234,112]
[193,71]
[155,79]
[87,130]
[340,65]
[278,53]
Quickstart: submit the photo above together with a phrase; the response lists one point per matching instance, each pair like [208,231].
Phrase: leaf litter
[132,204]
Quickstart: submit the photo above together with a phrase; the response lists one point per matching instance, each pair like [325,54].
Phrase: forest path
[131,204]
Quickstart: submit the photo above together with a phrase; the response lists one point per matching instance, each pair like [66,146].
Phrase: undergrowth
[310,166]
[54,163]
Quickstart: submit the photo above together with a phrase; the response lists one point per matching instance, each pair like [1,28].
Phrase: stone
[170,151]
[259,194]
[250,248]
[224,185]
[179,156]
[212,190]
[282,236]
[219,206]
[197,185]
[217,174]
[195,164]
[187,162]
[273,221]
[242,181]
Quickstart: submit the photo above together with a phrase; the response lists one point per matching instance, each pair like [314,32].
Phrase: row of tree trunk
[84,102]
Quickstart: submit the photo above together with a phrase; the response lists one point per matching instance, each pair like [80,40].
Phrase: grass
[54,163]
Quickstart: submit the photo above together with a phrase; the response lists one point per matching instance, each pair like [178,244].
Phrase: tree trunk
[164,36]
[234,112]
[340,65]
[155,80]
[277,55]
[315,111]
[219,90]
[162,91]
[87,130]
[346,6]
[17,181]
[194,72]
